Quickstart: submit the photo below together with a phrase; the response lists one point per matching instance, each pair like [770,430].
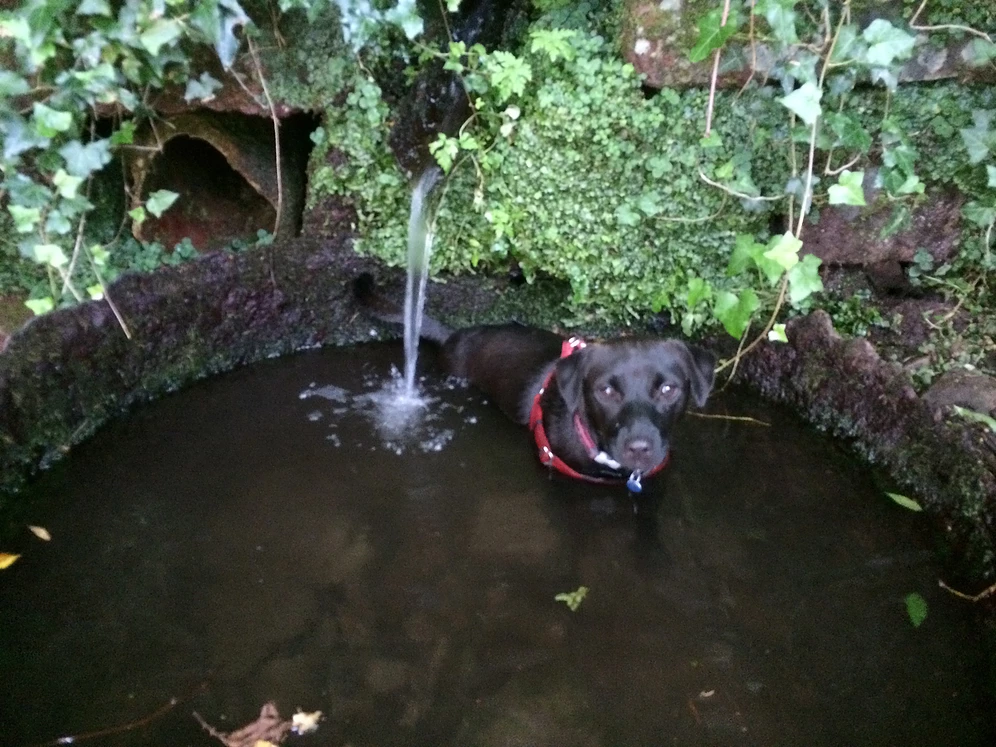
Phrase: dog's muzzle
[638,443]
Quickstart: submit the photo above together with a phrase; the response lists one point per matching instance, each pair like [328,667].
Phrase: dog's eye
[667,391]
[608,390]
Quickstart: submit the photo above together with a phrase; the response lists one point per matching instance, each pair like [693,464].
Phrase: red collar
[546,454]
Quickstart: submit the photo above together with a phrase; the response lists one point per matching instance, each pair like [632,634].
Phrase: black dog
[600,412]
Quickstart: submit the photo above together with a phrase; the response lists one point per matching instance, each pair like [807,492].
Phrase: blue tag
[633,483]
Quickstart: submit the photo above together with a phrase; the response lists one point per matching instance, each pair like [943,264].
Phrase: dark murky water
[255,535]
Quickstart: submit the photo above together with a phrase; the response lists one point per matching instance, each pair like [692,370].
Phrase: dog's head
[632,392]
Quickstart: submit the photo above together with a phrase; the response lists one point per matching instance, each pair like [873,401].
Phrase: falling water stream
[419,250]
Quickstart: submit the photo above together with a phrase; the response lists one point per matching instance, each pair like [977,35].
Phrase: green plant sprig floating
[818,76]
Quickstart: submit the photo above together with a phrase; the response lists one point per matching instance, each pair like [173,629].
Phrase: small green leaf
[804,102]
[555,42]
[66,184]
[137,215]
[160,201]
[201,89]
[24,218]
[95,291]
[94,8]
[978,139]
[784,250]
[125,135]
[780,15]
[649,203]
[848,189]
[82,160]
[49,254]
[777,333]
[49,122]
[981,215]
[991,175]
[40,306]
[626,215]
[850,133]
[12,84]
[916,608]
[712,34]
[735,312]
[978,417]
[905,502]
[712,140]
[159,33]
[698,290]
[804,279]
[452,5]
[573,599]
[886,43]
[978,52]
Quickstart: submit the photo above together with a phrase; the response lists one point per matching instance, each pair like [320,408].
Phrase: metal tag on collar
[633,483]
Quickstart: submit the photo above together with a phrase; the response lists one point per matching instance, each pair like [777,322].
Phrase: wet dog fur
[628,392]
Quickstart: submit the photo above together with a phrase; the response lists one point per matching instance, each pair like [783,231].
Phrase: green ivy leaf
[745,250]
[137,215]
[780,15]
[777,333]
[160,201]
[991,176]
[804,279]
[848,189]
[452,5]
[82,160]
[905,502]
[405,15]
[94,8]
[804,102]
[981,215]
[712,140]
[784,250]
[916,608]
[49,122]
[886,43]
[978,139]
[698,290]
[850,46]
[201,89]
[66,184]
[125,135]
[735,312]
[12,84]
[159,33]
[978,52]
[849,131]
[25,219]
[712,35]
[49,254]
[40,306]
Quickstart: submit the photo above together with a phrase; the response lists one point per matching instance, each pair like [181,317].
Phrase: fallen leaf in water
[707,693]
[264,743]
[573,599]
[7,560]
[40,532]
[305,723]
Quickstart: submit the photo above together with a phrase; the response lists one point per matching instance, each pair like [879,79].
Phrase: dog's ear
[570,379]
[701,373]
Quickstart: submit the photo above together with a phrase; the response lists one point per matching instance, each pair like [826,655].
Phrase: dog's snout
[638,446]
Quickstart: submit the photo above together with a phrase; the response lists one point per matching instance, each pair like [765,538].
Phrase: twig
[833,172]
[715,72]
[738,355]
[753,51]
[736,418]
[276,132]
[733,192]
[107,296]
[704,219]
[131,725]
[946,26]
[970,597]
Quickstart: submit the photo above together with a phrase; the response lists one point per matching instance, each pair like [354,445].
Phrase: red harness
[546,455]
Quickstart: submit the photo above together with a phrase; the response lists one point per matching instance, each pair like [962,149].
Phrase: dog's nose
[638,447]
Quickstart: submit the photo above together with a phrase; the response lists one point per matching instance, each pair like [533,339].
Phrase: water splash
[419,249]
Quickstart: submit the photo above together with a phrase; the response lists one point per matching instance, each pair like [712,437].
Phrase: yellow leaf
[7,560]
[263,743]
[40,532]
